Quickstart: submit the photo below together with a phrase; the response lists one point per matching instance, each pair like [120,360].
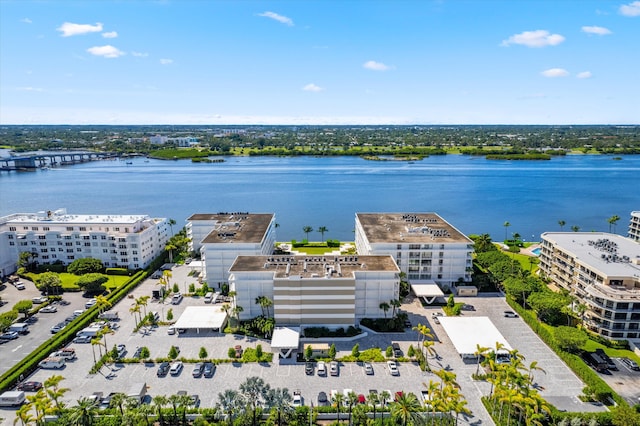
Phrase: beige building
[221,237]
[603,272]
[425,246]
[634,226]
[333,291]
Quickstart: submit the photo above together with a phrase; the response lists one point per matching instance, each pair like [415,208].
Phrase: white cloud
[140,54]
[376,66]
[631,9]
[30,89]
[107,51]
[166,61]
[312,88]
[584,74]
[69,29]
[537,38]
[596,30]
[555,72]
[110,34]
[280,18]
[26,20]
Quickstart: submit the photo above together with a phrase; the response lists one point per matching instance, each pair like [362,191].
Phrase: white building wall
[249,286]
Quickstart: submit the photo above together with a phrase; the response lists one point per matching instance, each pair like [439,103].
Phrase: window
[69,228]
[42,237]
[94,237]
[12,228]
[83,228]
[35,228]
[45,228]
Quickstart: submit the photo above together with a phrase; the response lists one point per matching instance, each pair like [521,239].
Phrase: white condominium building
[326,290]
[634,226]
[426,247]
[603,272]
[127,241]
[221,237]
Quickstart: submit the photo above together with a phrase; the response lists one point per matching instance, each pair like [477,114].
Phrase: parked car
[368,368]
[195,400]
[434,317]
[171,330]
[82,339]
[322,368]
[39,299]
[90,303]
[334,368]
[308,368]
[510,314]
[198,369]
[176,368]
[393,368]
[138,353]
[9,335]
[467,307]
[397,352]
[176,299]
[297,399]
[629,363]
[29,386]
[122,350]
[163,369]
[322,399]
[19,285]
[610,364]
[59,326]
[209,369]
[50,309]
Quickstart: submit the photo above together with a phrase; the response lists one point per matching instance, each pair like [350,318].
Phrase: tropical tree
[395,304]
[118,400]
[229,402]
[54,391]
[562,223]
[169,248]
[280,400]
[23,414]
[48,281]
[307,229]
[23,307]
[480,351]
[83,412]
[613,220]
[575,228]
[352,399]
[405,408]
[506,227]
[254,390]
[337,401]
[103,303]
[385,308]
[171,222]
[92,283]
[160,401]
[322,230]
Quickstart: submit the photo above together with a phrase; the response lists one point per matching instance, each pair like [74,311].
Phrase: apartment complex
[127,241]
[634,226]
[425,246]
[602,271]
[332,291]
[221,237]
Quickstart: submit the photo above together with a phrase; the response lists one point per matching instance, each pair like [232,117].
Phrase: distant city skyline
[312,62]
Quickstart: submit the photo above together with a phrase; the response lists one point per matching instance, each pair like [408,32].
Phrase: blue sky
[320,62]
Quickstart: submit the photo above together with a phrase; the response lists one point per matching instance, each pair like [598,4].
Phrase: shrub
[175,288]
[389,352]
[355,351]
[144,352]
[84,266]
[170,315]
[231,353]
[259,351]
[192,288]
[173,352]
[203,353]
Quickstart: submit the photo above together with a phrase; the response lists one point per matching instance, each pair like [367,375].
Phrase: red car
[29,386]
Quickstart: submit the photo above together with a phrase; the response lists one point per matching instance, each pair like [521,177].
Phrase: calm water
[474,194]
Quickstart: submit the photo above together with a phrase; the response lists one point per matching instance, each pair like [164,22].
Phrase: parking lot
[559,385]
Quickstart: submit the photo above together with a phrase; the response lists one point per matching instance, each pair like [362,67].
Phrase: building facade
[634,226]
[603,272]
[221,237]
[127,241]
[425,247]
[332,291]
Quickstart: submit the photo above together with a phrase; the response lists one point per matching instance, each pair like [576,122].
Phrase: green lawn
[525,261]
[69,280]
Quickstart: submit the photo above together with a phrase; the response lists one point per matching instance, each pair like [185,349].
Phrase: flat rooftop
[235,227]
[423,228]
[61,216]
[306,266]
[611,254]
[466,333]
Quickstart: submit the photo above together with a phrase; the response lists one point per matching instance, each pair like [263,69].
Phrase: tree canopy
[92,283]
[87,265]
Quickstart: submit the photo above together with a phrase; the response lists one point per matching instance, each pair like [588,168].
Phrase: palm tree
[103,303]
[306,230]
[534,366]
[260,301]
[254,389]
[171,222]
[83,413]
[352,399]
[228,403]
[385,307]
[23,414]
[267,303]
[374,399]
[322,230]
[482,243]
[54,392]
[280,399]
[506,227]
[135,309]
[613,220]
[575,228]
[562,223]
[175,401]
[118,400]
[480,351]
[395,303]
[159,401]
[337,401]
[236,312]
[405,408]
[170,247]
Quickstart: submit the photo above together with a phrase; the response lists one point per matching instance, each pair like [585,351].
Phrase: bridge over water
[36,161]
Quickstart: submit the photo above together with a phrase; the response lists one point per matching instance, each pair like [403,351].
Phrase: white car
[368,368]
[48,309]
[176,299]
[334,368]
[176,368]
[393,368]
[90,303]
[297,399]
[321,368]
[19,285]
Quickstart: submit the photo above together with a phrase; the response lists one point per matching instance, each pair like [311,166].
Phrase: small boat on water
[129,162]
